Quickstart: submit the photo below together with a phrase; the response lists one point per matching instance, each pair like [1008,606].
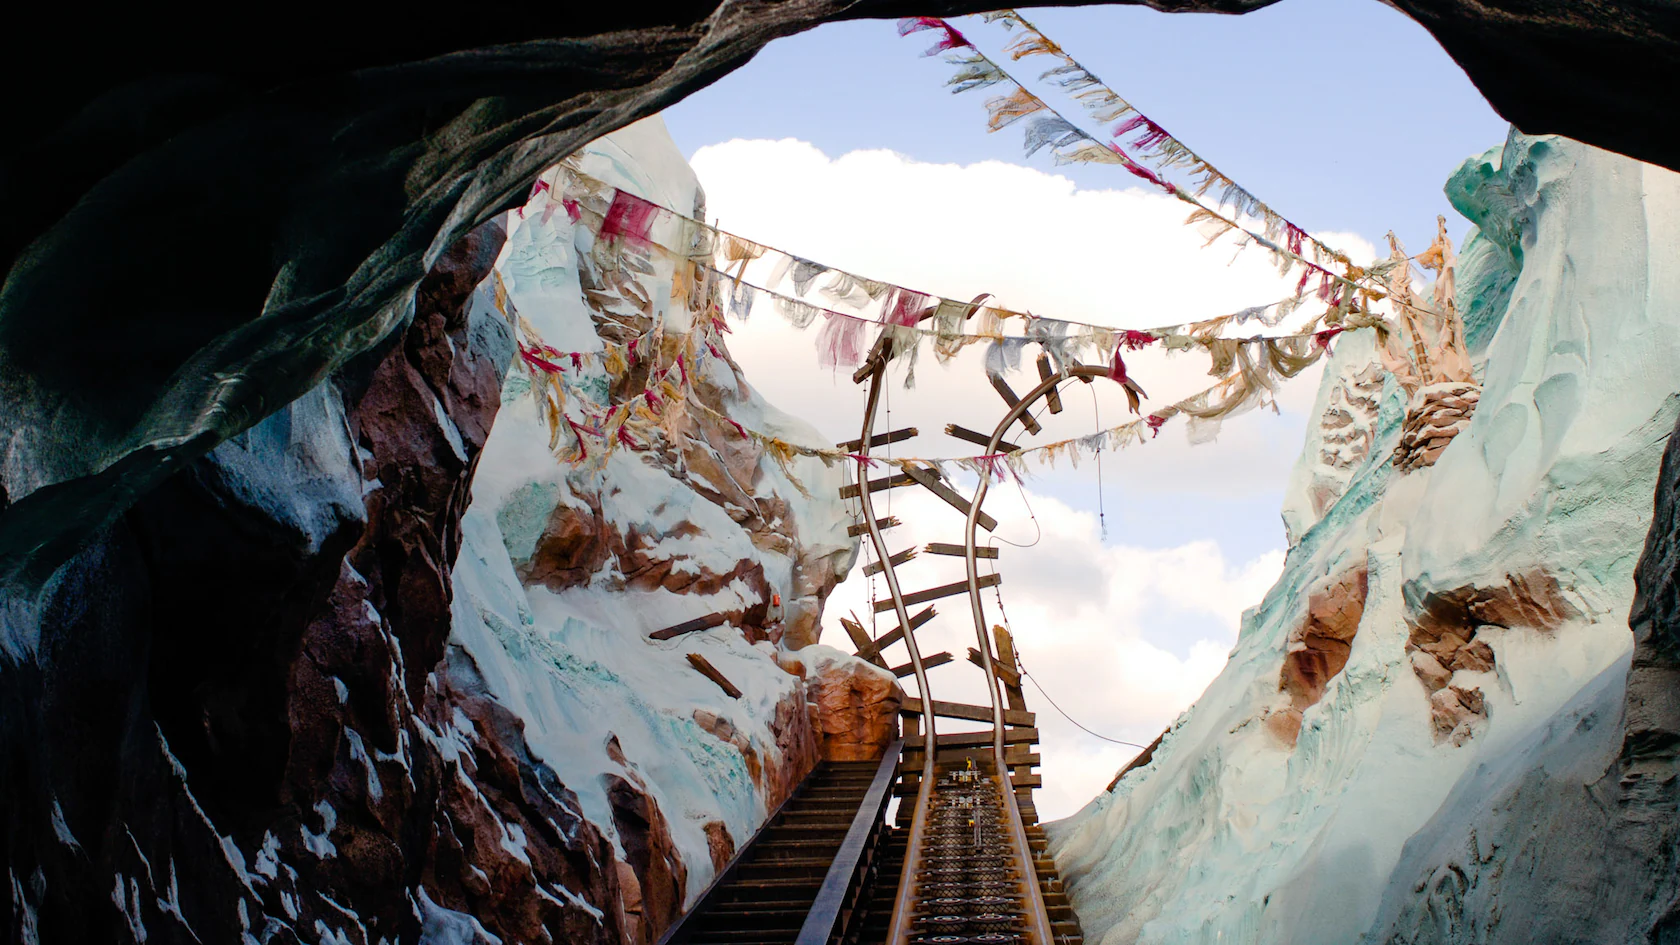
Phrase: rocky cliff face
[1421,734]
[376,670]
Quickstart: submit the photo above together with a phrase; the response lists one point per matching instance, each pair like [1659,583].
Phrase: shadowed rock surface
[335,154]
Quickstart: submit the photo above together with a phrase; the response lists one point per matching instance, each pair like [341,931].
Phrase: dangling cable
[1102,519]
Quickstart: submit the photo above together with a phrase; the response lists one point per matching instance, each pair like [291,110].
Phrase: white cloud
[1080,611]
[1104,627]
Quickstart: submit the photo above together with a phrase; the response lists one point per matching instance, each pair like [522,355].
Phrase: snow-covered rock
[567,567]
[1415,718]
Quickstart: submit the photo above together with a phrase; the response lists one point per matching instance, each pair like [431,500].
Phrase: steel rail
[899,931]
[1038,918]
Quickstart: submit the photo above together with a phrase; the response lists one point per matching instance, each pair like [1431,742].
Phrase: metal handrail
[820,922]
[1038,917]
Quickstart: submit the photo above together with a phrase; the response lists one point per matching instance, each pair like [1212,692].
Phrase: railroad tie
[935,593]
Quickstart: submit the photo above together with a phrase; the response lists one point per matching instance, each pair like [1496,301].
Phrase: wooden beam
[1005,675]
[876,485]
[980,439]
[973,713]
[710,672]
[862,528]
[876,359]
[875,567]
[872,648]
[689,626]
[939,548]
[1002,387]
[1054,398]
[935,593]
[928,662]
[860,639]
[1006,655]
[933,485]
[879,439]
[1011,736]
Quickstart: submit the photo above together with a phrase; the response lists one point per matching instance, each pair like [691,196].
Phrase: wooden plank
[1004,674]
[935,593]
[876,567]
[1019,781]
[689,626]
[1054,398]
[980,439]
[973,713]
[928,662]
[873,648]
[879,439]
[933,485]
[1008,394]
[710,672]
[860,639]
[862,528]
[876,485]
[1006,654]
[1011,736]
[876,359]
[940,548]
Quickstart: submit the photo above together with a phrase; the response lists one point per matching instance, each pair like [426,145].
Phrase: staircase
[766,896]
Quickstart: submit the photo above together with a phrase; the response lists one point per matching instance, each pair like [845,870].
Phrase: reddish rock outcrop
[856,704]
[1443,640]
[1318,649]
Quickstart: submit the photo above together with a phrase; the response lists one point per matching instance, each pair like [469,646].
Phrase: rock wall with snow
[1426,731]
[376,670]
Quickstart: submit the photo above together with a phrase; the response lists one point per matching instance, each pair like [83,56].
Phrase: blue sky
[1342,114]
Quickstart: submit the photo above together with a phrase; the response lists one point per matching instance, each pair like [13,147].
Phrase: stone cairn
[1438,412]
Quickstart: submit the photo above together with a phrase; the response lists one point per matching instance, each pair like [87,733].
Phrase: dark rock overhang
[201,220]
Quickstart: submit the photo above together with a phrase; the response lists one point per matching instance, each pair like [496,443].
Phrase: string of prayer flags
[1049,130]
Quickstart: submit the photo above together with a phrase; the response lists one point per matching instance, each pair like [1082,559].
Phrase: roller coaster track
[970,872]
[967,864]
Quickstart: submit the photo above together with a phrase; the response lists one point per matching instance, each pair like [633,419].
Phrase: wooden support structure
[1045,372]
[971,713]
[870,649]
[931,482]
[980,439]
[935,593]
[860,640]
[1005,674]
[876,485]
[862,528]
[879,439]
[711,672]
[876,567]
[928,662]
[958,551]
[689,626]
[876,359]
[1011,736]
[1008,394]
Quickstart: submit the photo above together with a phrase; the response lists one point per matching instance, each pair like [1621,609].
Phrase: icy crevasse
[1523,537]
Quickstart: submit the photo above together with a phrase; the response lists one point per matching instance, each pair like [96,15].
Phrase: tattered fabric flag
[1007,109]
[840,342]
[1054,132]
[1004,355]
[1152,136]
[949,38]
[630,218]
[1136,340]
[1322,339]
[1088,153]
[1033,43]
[974,72]
[1117,373]
[906,308]
[741,301]
[1155,420]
